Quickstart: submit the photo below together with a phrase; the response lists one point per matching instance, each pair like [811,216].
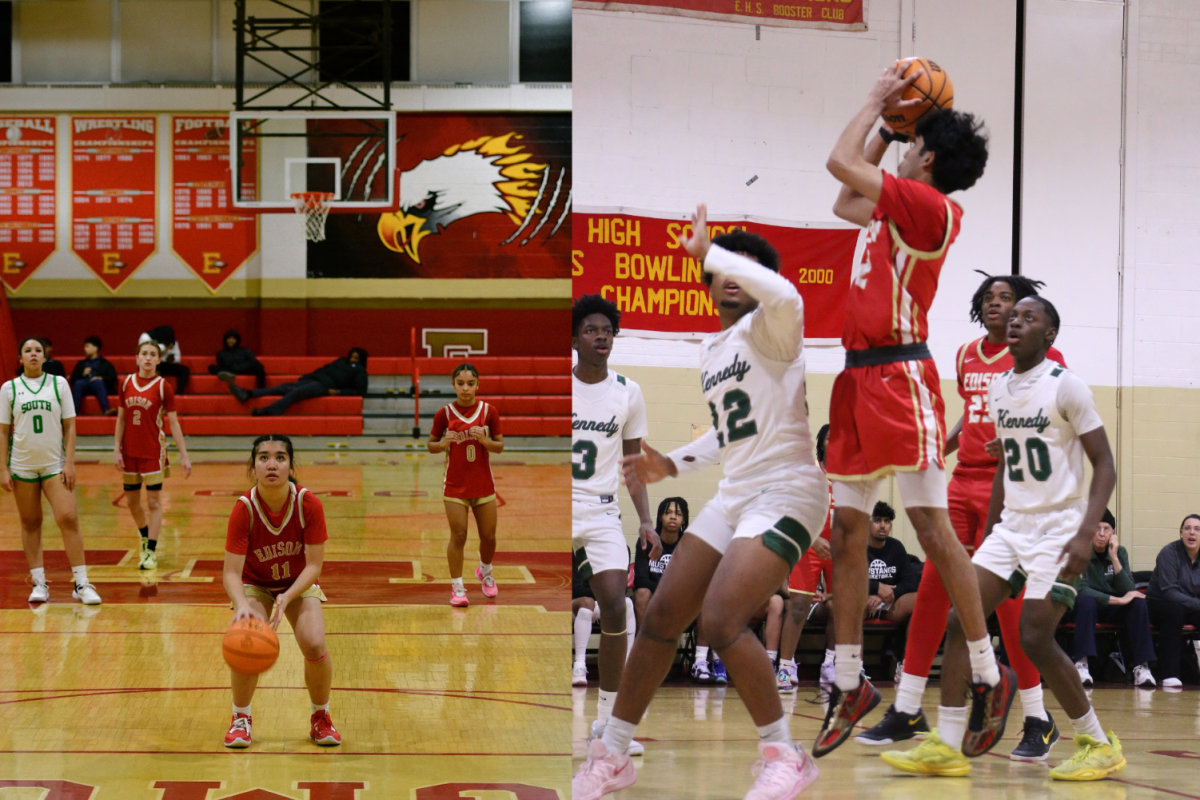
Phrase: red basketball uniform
[807,573]
[468,471]
[144,444]
[890,417]
[273,544]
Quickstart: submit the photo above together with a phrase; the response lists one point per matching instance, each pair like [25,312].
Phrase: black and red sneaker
[845,710]
[989,713]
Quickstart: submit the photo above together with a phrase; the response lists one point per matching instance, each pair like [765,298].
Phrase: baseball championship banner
[113,203]
[841,15]
[27,196]
[636,261]
[209,235]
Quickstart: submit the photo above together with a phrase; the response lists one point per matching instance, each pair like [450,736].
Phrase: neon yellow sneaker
[931,757]
[1092,761]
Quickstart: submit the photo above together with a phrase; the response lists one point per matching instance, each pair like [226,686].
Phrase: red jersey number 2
[137,417]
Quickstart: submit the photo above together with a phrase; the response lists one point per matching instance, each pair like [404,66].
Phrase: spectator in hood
[234,360]
[346,375]
[171,365]
[93,374]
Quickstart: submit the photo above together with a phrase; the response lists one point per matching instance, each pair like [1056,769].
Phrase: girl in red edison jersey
[467,431]
[274,550]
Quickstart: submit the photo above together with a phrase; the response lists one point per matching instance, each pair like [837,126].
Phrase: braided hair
[1022,287]
[681,504]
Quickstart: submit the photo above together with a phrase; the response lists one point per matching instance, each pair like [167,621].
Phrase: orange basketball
[934,90]
[250,646]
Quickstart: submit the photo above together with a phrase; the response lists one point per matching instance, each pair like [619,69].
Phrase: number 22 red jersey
[893,286]
[979,362]
[273,544]
[468,471]
[146,407]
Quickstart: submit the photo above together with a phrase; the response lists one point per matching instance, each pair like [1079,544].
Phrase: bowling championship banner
[208,234]
[113,202]
[840,15]
[28,181]
[635,260]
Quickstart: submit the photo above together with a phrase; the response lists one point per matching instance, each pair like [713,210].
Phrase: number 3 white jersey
[1039,417]
[602,416]
[36,409]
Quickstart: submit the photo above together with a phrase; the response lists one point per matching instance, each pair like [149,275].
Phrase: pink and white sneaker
[783,772]
[239,731]
[489,583]
[602,773]
[459,599]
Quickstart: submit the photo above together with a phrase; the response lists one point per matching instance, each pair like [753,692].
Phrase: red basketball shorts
[806,575]
[884,419]
[968,503]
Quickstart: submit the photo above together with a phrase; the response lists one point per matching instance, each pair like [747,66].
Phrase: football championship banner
[113,203]
[841,15]
[27,196]
[208,234]
[636,261]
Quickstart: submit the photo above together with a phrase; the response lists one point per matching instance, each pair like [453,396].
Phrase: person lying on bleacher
[342,376]
[1174,597]
[234,360]
[93,374]
[171,365]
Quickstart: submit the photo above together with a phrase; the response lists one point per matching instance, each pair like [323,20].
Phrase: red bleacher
[533,395]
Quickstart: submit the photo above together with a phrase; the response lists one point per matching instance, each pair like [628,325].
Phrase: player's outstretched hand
[648,540]
[993,448]
[277,612]
[698,243]
[1076,555]
[821,547]
[247,612]
[891,85]
[649,466]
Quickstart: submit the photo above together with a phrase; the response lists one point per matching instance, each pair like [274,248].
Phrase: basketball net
[315,208]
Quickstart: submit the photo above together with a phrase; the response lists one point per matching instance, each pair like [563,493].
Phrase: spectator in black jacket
[346,375]
[93,374]
[892,591]
[672,522]
[51,366]
[234,360]
[1174,597]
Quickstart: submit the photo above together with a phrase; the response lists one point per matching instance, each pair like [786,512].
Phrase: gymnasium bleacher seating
[533,395]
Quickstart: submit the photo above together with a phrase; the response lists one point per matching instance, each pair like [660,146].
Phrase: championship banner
[209,235]
[840,15]
[637,262]
[113,208]
[27,196]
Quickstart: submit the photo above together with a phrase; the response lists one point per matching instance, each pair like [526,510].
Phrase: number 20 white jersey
[36,409]
[602,416]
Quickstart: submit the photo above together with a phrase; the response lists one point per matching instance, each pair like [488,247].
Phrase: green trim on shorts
[788,539]
[35,480]
[1065,593]
[1017,581]
[582,565]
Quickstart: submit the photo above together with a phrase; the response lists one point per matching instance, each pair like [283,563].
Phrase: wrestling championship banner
[208,234]
[841,15]
[27,196]
[636,261]
[113,201]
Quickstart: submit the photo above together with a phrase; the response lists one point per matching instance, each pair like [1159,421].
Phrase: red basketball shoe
[845,710]
[239,731]
[989,713]
[323,732]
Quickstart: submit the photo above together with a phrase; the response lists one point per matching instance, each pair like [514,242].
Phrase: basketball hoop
[315,208]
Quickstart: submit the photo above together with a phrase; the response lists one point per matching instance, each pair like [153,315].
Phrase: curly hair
[742,241]
[590,304]
[883,511]
[1022,287]
[961,150]
[822,443]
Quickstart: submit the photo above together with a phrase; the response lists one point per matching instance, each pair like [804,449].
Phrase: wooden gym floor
[130,699]
[701,743]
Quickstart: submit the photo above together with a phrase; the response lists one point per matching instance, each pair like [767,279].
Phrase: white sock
[457,584]
[583,630]
[242,710]
[80,574]
[847,666]
[772,654]
[1091,726]
[910,692]
[830,655]
[1083,662]
[618,734]
[983,662]
[790,664]
[39,574]
[951,725]
[1031,703]
[604,706]
[485,569]
[777,731]
[630,627]
[316,708]
[701,654]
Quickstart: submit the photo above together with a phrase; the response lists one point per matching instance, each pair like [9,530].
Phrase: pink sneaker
[459,599]
[783,772]
[489,583]
[603,772]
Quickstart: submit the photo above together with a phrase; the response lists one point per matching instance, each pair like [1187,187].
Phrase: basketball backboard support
[348,153]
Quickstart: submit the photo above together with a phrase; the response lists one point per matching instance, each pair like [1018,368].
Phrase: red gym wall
[297,331]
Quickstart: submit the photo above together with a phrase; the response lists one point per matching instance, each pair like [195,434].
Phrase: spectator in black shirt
[342,376]
[234,360]
[1174,597]
[891,589]
[672,522]
[93,374]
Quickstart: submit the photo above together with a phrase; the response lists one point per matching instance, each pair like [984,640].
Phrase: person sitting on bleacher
[1174,597]
[1107,593]
[342,376]
[93,374]
[891,592]
[671,525]
[234,360]
[51,366]
[171,365]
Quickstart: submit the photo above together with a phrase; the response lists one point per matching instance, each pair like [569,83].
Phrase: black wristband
[890,136]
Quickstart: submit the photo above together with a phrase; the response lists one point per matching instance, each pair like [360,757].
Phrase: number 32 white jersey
[1039,417]
[36,409]
[603,415]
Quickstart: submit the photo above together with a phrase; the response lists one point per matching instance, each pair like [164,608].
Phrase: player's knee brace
[132,487]
[155,488]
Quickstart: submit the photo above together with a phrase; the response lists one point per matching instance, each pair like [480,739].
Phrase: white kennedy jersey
[602,416]
[1039,417]
[36,409]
